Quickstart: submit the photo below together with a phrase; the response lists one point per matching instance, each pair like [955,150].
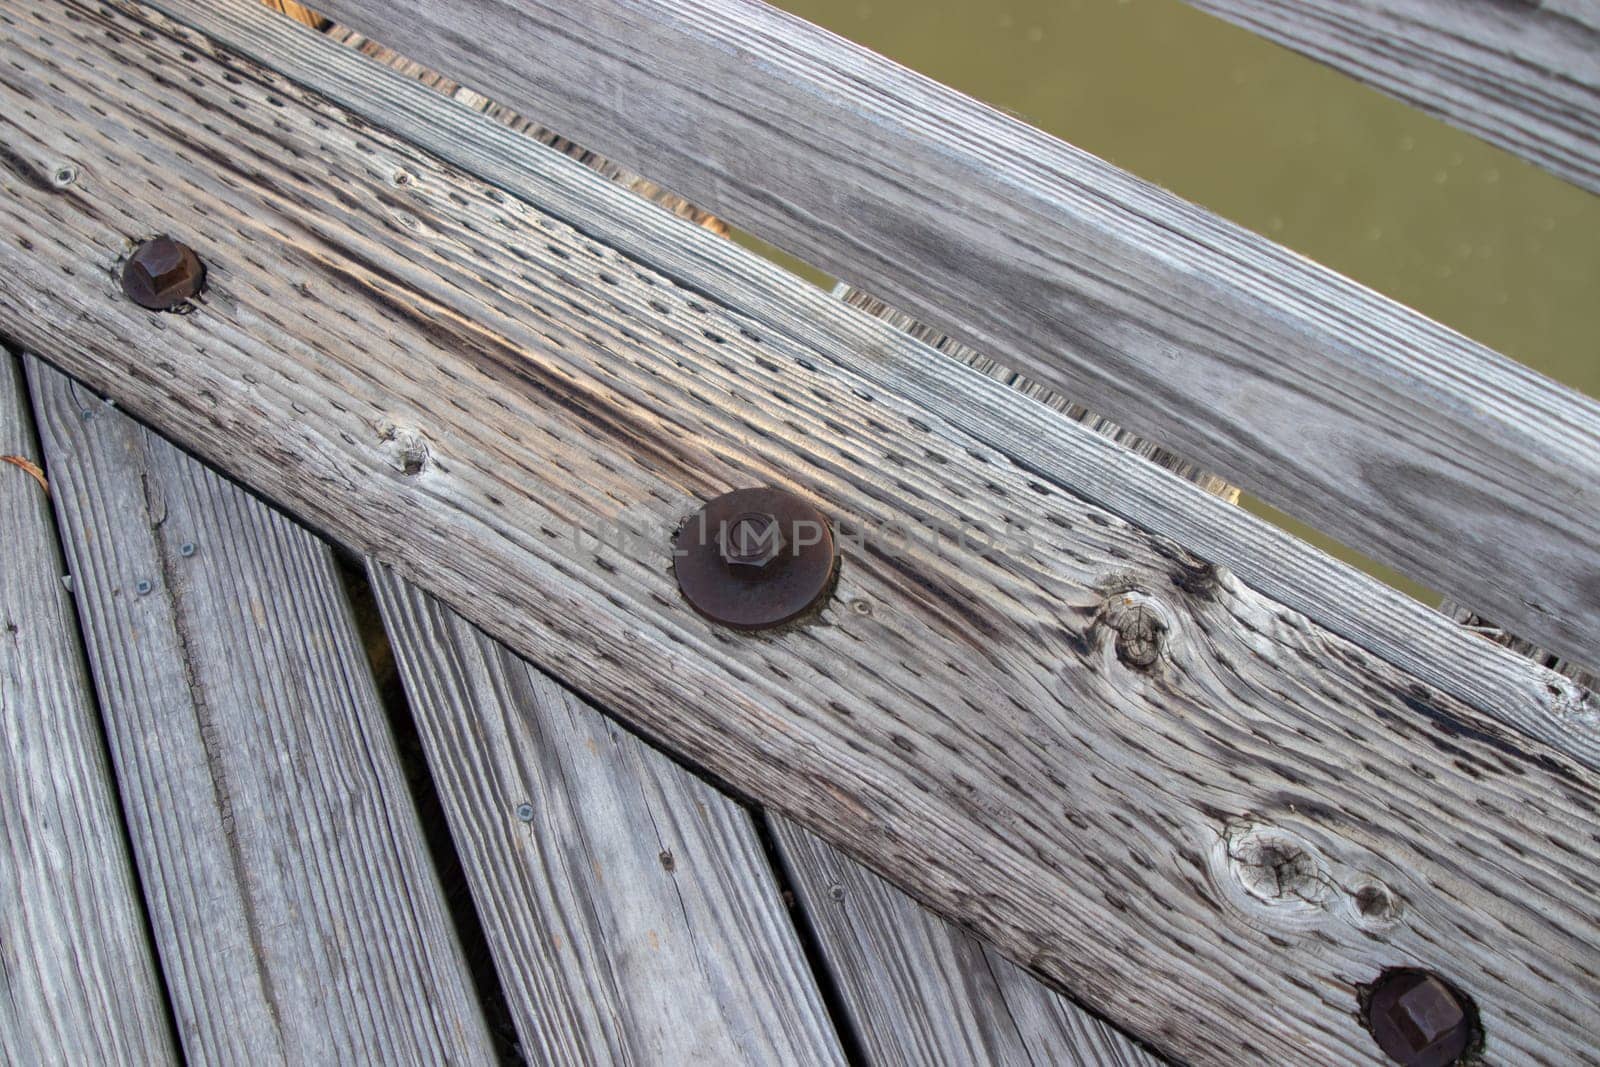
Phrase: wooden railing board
[629,908]
[1286,569]
[447,378]
[1395,435]
[920,990]
[1521,74]
[78,980]
[293,902]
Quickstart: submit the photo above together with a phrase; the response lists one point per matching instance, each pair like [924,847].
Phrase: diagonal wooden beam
[446,375]
[1462,469]
[1521,75]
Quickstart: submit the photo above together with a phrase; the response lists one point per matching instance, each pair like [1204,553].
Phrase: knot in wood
[406,449]
[1275,868]
[1140,635]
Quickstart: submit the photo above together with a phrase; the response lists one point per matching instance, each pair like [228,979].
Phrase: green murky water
[1464,232]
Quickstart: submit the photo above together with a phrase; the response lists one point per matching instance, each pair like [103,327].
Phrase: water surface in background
[1426,214]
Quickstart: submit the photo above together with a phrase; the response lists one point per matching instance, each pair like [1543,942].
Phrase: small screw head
[162,274]
[142,586]
[752,541]
[186,549]
[525,812]
[1417,1019]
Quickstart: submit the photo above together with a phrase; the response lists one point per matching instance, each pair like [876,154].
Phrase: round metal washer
[746,598]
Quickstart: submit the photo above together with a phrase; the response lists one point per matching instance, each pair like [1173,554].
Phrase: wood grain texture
[1025,1021]
[1522,75]
[920,990]
[511,120]
[949,346]
[78,982]
[1399,437]
[631,912]
[773,302]
[294,906]
[442,375]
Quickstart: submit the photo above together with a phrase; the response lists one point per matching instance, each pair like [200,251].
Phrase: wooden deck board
[294,906]
[78,982]
[629,907]
[1388,431]
[920,990]
[443,375]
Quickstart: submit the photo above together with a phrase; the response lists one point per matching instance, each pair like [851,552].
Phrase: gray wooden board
[1521,75]
[920,990]
[445,376]
[1392,433]
[775,303]
[629,906]
[78,982]
[1026,1019]
[295,909]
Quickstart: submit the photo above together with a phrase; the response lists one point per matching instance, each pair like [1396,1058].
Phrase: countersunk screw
[142,586]
[752,541]
[525,812]
[162,274]
[1417,1019]
[186,549]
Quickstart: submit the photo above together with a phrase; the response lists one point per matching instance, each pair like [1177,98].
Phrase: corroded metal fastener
[1417,1019]
[162,274]
[755,558]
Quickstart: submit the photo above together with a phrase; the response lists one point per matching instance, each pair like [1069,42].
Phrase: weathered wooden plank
[293,902]
[920,990]
[1399,437]
[1522,75]
[442,375]
[510,119]
[1488,630]
[629,907]
[949,346]
[1348,603]
[78,982]
[1023,1021]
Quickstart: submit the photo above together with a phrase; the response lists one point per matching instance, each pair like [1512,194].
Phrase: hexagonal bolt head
[1418,1020]
[162,274]
[752,541]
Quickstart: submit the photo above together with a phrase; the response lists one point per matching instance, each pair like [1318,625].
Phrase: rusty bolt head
[162,274]
[755,558]
[1417,1019]
[752,542]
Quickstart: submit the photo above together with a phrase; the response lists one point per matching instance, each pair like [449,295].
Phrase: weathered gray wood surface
[948,346]
[1489,631]
[629,907]
[1392,433]
[1522,74]
[442,375]
[920,990]
[294,906]
[1335,596]
[78,982]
